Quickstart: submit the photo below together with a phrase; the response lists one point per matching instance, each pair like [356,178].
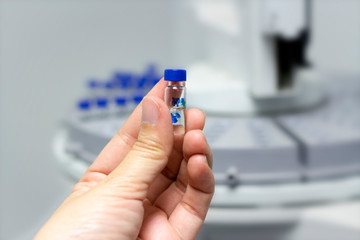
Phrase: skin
[147,183]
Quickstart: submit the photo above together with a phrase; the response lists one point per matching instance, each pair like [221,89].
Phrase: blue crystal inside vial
[175,98]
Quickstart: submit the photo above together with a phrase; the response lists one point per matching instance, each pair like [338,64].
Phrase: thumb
[149,154]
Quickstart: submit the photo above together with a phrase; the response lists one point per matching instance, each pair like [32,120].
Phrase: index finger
[117,148]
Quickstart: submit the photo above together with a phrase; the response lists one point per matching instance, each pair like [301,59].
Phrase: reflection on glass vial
[175,97]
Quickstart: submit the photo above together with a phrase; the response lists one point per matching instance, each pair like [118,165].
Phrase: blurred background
[284,77]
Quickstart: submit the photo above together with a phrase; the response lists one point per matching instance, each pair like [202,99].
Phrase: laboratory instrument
[283,136]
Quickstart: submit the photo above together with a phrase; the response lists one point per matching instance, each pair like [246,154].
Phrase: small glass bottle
[84,109]
[175,98]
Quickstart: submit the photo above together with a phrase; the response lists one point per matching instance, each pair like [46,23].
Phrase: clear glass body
[175,99]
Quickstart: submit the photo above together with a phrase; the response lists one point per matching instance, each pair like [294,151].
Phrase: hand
[147,183]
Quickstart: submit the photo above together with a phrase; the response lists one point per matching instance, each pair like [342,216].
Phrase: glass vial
[175,98]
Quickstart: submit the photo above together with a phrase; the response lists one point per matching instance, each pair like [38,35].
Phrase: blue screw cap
[84,104]
[120,101]
[101,102]
[93,83]
[175,75]
[138,98]
[109,85]
[123,79]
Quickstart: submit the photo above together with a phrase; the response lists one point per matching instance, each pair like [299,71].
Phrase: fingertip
[195,134]
[199,160]
[195,119]
[200,174]
[158,89]
[195,143]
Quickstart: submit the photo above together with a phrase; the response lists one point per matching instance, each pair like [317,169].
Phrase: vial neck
[176,83]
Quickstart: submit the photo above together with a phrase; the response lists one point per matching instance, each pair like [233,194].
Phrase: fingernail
[150,111]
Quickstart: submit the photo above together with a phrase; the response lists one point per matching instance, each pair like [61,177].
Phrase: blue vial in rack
[84,107]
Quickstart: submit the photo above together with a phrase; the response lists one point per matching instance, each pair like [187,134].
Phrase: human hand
[147,183]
